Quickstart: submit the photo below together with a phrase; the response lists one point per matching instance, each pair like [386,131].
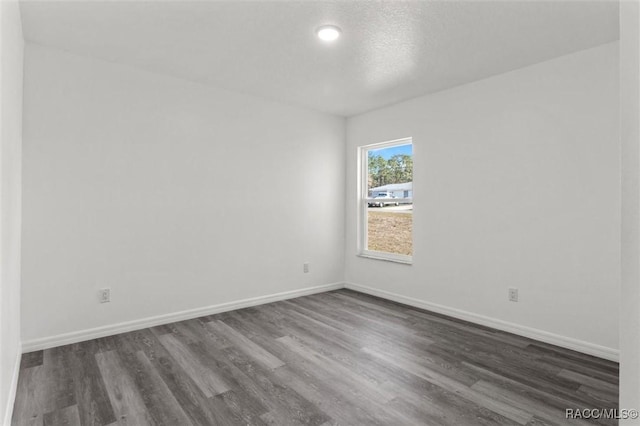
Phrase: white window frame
[363,202]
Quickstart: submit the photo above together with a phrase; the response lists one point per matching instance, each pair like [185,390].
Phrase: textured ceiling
[389,51]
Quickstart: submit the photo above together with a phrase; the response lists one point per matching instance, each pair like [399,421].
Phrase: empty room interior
[319,212]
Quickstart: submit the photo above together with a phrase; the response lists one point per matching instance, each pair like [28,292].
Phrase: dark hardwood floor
[333,358]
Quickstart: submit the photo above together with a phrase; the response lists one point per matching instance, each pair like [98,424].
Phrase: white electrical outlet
[305,267]
[513,294]
[105,295]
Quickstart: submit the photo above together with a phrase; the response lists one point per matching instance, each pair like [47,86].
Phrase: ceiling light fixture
[328,32]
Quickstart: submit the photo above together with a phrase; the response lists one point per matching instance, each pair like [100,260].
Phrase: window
[386,200]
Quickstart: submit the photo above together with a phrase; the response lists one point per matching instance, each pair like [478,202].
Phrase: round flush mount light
[328,32]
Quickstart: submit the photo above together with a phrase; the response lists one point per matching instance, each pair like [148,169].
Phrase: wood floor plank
[28,408]
[551,351]
[31,359]
[421,318]
[371,306]
[194,403]
[68,416]
[264,396]
[326,379]
[516,414]
[246,345]
[338,358]
[209,382]
[606,397]
[330,342]
[535,421]
[587,380]
[161,403]
[241,402]
[286,406]
[123,394]
[435,412]
[509,365]
[243,406]
[309,384]
[542,411]
[94,407]
[324,396]
[605,375]
[372,391]
[318,315]
[550,396]
[59,386]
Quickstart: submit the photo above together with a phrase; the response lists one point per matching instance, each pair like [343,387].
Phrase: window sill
[388,257]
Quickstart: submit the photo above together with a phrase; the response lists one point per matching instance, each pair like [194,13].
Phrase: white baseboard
[13,388]
[123,327]
[521,330]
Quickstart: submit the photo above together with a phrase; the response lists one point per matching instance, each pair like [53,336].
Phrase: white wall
[175,195]
[630,138]
[11,58]
[517,184]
